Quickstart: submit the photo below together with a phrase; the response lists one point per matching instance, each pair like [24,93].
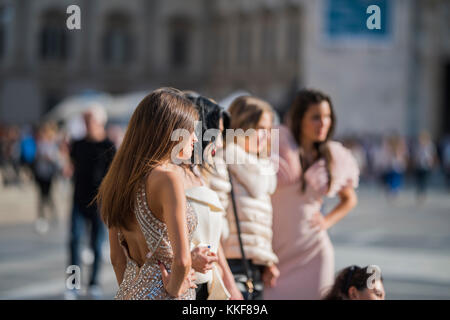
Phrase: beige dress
[145,282]
[306,256]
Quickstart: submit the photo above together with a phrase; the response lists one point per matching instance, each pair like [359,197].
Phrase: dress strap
[152,228]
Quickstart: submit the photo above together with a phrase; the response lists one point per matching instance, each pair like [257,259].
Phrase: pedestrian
[247,240]
[424,158]
[218,282]
[311,167]
[91,157]
[28,150]
[445,158]
[394,158]
[143,201]
[46,165]
[354,283]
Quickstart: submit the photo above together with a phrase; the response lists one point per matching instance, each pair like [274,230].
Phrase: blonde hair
[246,111]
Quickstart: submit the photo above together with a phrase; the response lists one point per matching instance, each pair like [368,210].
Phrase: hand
[203,259]
[318,221]
[270,276]
[188,283]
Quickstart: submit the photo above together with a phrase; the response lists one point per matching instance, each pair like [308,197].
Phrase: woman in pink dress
[311,166]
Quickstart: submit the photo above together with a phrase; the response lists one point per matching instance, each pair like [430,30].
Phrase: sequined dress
[145,282]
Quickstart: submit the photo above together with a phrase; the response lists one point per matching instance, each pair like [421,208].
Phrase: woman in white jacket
[254,180]
[215,280]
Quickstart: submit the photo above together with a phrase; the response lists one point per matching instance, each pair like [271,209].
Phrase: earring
[213,151]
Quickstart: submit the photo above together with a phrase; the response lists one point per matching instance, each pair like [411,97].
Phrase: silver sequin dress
[145,282]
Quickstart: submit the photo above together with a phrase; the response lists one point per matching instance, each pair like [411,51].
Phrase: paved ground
[408,241]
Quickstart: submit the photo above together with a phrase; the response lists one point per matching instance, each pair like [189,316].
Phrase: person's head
[311,120]
[311,117]
[95,119]
[214,121]
[148,142]
[248,112]
[352,283]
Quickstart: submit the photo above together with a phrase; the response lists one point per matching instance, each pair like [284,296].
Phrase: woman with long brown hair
[143,203]
[311,166]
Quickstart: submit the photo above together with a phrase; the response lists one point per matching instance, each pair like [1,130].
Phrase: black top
[91,162]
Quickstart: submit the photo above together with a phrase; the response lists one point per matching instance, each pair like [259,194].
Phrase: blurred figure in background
[393,159]
[46,165]
[2,153]
[445,158]
[360,154]
[28,150]
[10,155]
[352,284]
[423,160]
[91,157]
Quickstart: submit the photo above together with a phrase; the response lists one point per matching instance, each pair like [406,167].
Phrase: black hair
[353,276]
[210,114]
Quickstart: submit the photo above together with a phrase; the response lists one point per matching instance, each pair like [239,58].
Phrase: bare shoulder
[163,179]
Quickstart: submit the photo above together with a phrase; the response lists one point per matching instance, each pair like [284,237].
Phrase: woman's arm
[118,258]
[348,202]
[169,195]
[228,279]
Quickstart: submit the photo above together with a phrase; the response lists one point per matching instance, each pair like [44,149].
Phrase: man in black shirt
[91,158]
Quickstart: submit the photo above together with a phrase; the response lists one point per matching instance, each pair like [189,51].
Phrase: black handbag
[248,279]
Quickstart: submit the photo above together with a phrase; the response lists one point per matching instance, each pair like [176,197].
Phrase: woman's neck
[308,146]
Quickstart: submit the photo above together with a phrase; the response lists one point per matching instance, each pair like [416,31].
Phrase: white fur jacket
[254,180]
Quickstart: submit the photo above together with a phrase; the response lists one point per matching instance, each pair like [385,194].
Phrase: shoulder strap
[247,269]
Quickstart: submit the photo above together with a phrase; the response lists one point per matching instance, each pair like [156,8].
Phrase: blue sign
[348,18]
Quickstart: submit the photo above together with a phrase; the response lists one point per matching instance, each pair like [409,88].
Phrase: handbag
[248,279]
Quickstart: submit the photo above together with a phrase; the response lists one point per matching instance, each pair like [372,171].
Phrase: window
[53,37]
[180,29]
[6,13]
[293,35]
[244,42]
[268,37]
[2,32]
[216,42]
[117,40]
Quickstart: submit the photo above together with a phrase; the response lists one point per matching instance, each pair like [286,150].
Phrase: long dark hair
[353,276]
[302,101]
[210,114]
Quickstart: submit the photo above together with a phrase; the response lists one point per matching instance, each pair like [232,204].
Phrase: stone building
[393,79]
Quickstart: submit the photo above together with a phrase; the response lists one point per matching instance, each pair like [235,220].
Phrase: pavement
[410,242]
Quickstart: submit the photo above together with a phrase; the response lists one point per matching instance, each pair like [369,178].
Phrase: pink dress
[306,255]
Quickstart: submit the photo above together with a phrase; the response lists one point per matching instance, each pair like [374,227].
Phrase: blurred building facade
[394,79]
